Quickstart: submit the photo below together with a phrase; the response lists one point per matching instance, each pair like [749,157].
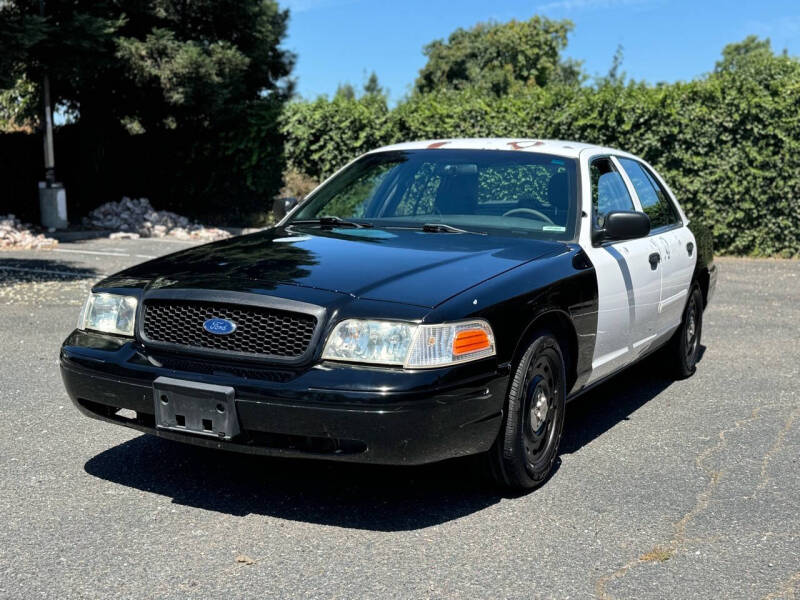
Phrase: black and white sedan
[430,300]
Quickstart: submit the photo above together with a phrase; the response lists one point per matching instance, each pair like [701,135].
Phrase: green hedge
[323,135]
[728,144]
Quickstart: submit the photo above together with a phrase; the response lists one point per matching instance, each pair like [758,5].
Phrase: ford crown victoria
[430,300]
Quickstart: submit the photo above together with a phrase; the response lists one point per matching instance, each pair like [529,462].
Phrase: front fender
[512,302]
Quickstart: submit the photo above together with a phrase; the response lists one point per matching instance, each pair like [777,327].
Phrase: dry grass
[657,554]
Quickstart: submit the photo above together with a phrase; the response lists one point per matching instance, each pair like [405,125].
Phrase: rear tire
[685,344]
[526,448]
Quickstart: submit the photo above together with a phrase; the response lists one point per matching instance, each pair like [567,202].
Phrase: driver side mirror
[622,225]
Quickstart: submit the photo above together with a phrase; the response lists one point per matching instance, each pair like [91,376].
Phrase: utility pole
[52,195]
[49,156]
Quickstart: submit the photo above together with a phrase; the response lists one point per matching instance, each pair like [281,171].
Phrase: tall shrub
[323,135]
[728,143]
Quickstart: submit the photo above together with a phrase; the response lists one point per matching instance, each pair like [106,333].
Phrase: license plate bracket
[194,407]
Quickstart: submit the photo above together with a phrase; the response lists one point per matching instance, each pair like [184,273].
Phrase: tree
[160,64]
[615,73]
[373,87]
[202,83]
[497,57]
[345,91]
[18,107]
[739,55]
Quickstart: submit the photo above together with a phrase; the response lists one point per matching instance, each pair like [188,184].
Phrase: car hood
[395,265]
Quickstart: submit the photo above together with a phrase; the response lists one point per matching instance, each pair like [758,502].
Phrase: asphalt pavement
[663,489]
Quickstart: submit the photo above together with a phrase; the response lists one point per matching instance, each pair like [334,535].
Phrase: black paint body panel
[705,269]
[394,417]
[344,411]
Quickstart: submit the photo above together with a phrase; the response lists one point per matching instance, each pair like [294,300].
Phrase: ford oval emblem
[219,326]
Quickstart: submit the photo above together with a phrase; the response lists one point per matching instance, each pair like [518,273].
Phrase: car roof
[555,147]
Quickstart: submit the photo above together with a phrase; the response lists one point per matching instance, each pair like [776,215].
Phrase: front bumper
[329,410]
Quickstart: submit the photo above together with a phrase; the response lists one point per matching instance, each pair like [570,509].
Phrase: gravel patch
[16,235]
[134,218]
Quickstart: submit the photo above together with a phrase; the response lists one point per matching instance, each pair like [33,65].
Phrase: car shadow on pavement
[379,498]
[26,270]
[591,415]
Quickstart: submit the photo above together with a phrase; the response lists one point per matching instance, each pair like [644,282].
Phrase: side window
[655,202]
[608,189]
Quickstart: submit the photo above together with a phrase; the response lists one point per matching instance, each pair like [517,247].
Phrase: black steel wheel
[527,446]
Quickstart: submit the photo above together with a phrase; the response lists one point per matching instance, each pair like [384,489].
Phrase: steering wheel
[529,211]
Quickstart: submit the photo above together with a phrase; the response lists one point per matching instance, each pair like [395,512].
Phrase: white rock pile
[134,218]
[16,235]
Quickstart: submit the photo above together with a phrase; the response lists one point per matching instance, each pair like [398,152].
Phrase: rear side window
[609,192]
[655,202]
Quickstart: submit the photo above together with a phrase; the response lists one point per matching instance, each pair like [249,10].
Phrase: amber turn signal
[470,340]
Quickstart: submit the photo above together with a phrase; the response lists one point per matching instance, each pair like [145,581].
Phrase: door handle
[655,258]
[690,248]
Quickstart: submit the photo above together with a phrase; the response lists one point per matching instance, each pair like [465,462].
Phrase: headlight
[410,345]
[109,313]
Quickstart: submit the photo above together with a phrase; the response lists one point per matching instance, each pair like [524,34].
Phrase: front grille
[207,367]
[259,331]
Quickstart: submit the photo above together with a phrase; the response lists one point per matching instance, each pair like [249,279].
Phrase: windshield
[476,190]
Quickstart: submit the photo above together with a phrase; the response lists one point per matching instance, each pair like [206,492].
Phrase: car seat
[458,193]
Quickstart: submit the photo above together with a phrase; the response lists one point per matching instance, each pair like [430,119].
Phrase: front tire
[526,448]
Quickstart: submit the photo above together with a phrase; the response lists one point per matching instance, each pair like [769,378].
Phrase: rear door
[675,242]
[629,284]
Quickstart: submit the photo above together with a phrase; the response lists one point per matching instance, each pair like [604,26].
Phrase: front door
[628,274]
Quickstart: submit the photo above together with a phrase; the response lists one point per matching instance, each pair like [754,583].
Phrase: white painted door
[680,251]
[675,242]
[629,287]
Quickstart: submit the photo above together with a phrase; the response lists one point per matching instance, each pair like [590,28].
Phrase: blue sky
[663,40]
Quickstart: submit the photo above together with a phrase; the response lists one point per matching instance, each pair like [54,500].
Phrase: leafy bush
[728,144]
[323,135]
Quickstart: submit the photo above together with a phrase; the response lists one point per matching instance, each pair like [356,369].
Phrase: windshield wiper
[331,222]
[444,228]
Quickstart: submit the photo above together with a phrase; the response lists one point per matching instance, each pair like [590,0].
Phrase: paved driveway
[686,489]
